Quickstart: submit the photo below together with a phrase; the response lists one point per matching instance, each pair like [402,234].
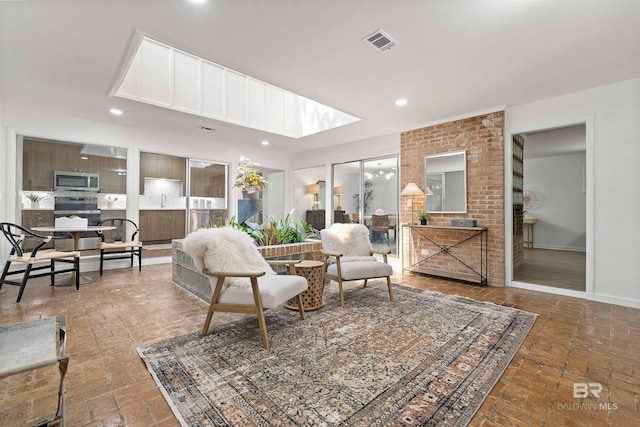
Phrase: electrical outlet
[425,252]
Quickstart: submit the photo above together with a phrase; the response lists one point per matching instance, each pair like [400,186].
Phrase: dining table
[75,233]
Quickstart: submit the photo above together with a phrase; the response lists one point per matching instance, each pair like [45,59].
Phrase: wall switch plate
[425,252]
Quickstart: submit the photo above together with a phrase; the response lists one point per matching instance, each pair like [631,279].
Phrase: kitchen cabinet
[112,214]
[41,158]
[316,219]
[161,226]
[208,181]
[113,178]
[162,166]
[37,218]
[38,165]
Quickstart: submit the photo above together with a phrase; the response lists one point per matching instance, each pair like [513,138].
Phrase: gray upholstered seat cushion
[275,290]
[361,269]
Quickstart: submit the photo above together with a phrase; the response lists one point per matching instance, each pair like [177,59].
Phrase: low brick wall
[185,274]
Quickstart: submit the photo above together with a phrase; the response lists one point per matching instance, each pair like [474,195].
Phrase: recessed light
[84,158]
[265,142]
[198,1]
[116,112]
[401,102]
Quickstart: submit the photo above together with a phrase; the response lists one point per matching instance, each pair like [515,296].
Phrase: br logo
[582,390]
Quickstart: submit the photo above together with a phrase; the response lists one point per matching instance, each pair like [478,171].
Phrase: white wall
[614,111]
[302,200]
[561,206]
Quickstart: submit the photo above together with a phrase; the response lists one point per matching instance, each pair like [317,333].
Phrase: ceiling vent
[380,41]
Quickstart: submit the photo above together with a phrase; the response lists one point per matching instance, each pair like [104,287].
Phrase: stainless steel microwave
[79,181]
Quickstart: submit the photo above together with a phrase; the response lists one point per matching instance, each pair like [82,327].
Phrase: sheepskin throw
[225,249]
[351,240]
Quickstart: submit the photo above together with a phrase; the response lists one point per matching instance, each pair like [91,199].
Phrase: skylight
[164,76]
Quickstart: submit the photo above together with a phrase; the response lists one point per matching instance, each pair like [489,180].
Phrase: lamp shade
[338,191]
[313,189]
[412,189]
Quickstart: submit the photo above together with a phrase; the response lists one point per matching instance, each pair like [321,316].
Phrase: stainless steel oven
[84,205]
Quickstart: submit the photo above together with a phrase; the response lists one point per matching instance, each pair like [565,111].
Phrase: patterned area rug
[423,359]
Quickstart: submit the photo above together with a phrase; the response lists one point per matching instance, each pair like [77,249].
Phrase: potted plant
[35,199]
[424,217]
[247,178]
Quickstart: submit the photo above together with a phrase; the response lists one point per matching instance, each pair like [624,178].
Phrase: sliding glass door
[366,192]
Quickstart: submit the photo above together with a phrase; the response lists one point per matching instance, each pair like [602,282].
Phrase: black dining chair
[123,242]
[34,259]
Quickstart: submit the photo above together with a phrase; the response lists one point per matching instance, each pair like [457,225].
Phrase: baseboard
[576,294]
[560,248]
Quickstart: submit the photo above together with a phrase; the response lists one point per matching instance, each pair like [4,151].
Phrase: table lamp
[411,189]
[314,189]
[338,191]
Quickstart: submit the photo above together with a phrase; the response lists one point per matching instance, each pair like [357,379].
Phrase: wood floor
[573,341]
[559,269]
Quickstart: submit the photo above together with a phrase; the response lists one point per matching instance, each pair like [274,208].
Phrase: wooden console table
[431,249]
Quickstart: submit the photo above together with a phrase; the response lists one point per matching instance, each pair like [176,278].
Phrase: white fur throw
[351,240]
[225,249]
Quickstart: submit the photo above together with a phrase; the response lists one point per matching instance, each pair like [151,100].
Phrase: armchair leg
[207,322]
[365,283]
[300,308]
[214,300]
[139,259]
[389,286]
[341,292]
[260,312]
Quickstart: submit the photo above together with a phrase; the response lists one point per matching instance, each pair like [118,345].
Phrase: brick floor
[107,384]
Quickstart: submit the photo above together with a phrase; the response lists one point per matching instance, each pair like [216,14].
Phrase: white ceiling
[453,57]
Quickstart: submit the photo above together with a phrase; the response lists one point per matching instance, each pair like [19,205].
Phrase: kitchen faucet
[163,200]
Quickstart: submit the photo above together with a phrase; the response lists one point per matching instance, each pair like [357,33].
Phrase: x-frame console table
[474,271]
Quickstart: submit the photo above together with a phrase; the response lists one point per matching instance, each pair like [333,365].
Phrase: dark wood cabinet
[112,214]
[208,181]
[316,219]
[38,164]
[113,177]
[41,158]
[161,226]
[162,166]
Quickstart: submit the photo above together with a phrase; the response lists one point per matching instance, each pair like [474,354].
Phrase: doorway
[550,208]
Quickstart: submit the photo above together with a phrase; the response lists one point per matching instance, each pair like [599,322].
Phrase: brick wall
[482,138]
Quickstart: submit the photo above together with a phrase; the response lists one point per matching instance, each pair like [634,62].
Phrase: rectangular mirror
[446,177]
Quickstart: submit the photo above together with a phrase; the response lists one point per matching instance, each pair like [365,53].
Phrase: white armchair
[349,256]
[241,280]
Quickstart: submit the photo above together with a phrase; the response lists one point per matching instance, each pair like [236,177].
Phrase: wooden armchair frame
[338,277]
[256,308]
